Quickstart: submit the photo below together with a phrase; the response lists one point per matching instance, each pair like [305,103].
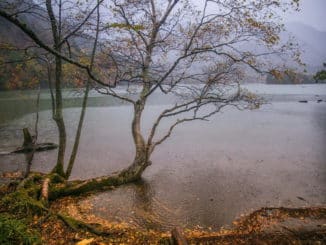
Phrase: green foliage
[127,26]
[13,231]
[21,204]
[320,76]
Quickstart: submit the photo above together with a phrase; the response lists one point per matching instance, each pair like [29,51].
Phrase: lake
[206,174]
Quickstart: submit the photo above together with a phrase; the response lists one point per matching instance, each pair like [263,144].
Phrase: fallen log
[30,145]
[38,147]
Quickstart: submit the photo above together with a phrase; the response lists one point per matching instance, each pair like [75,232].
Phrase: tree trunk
[59,119]
[29,143]
[127,175]
[28,139]
[142,155]
[30,156]
[85,99]
[135,170]
[78,133]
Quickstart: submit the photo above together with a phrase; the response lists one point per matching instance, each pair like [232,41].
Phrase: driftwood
[178,237]
[30,145]
[38,147]
[29,140]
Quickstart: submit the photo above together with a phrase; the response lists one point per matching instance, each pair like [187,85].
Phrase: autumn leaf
[85,241]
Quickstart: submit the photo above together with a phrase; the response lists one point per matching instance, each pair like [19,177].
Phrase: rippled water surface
[207,173]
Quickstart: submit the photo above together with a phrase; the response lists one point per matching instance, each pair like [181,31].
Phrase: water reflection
[135,204]
[15,104]
[143,196]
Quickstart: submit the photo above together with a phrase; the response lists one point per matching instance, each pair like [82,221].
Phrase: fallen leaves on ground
[265,224]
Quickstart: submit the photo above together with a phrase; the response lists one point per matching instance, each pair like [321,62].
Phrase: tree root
[76,225]
[31,197]
[32,179]
[97,184]
[45,191]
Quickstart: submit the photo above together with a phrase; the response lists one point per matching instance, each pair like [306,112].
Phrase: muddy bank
[26,218]
[263,226]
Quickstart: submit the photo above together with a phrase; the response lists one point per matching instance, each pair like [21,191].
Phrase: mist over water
[207,173]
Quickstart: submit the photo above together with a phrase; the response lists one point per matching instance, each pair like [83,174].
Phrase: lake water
[206,174]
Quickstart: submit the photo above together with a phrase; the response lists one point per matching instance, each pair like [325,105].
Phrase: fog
[311,13]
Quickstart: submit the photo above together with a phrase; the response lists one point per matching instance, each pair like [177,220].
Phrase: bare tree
[200,53]
[60,29]
[197,52]
[85,98]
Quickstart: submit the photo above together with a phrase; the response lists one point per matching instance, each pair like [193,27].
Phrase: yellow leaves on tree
[21,77]
[270,37]
[277,74]
[126,26]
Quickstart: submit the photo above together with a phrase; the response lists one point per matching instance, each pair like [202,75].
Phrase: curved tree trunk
[135,170]
[127,175]
[142,155]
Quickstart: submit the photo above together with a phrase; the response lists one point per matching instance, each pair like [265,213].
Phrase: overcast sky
[312,13]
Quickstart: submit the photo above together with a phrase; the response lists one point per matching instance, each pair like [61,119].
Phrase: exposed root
[97,184]
[28,204]
[76,225]
[45,191]
[24,203]
[32,179]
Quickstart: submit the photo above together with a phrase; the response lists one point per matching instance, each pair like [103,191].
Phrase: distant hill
[11,34]
[37,21]
[26,75]
[312,42]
